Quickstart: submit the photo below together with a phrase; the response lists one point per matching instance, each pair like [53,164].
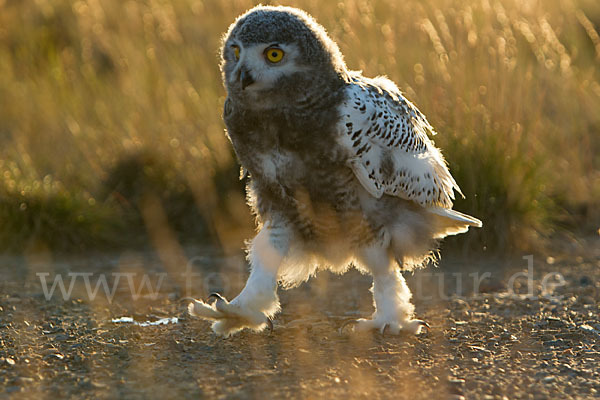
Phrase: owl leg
[391,296]
[258,302]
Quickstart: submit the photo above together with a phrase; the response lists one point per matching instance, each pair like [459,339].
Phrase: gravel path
[485,341]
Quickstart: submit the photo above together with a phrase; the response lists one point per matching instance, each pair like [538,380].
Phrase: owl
[341,172]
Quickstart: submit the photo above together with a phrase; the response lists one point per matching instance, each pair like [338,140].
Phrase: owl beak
[245,78]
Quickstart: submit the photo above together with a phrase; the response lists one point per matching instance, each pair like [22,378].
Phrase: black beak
[245,78]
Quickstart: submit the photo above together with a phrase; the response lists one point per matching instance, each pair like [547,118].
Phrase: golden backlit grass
[100,95]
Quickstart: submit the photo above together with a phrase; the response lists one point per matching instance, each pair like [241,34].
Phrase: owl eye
[274,54]
[236,51]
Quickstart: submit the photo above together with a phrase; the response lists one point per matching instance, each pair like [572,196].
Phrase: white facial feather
[265,73]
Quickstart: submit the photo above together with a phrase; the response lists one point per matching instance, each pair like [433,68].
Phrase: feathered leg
[258,301]
[391,296]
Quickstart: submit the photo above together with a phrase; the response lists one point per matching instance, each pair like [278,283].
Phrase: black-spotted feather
[390,151]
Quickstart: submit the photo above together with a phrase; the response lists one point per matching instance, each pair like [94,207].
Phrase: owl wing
[389,150]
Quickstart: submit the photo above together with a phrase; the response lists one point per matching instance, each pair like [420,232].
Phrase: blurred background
[111,133]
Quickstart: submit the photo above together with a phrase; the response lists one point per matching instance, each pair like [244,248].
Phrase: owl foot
[413,326]
[229,317]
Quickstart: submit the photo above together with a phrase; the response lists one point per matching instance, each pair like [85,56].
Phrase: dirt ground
[484,342]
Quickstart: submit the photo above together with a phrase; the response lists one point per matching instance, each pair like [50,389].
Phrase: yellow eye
[236,52]
[274,54]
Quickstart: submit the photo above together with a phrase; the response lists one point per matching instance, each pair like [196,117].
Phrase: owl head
[270,54]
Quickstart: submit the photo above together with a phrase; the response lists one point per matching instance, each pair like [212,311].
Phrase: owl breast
[284,145]
[280,167]
[298,172]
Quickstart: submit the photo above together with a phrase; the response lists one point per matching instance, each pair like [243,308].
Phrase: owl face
[273,54]
[259,67]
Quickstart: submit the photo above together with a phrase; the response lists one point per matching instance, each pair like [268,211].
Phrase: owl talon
[394,328]
[345,324]
[415,326]
[229,317]
[216,295]
[384,328]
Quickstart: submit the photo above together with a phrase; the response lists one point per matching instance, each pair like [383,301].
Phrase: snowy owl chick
[341,172]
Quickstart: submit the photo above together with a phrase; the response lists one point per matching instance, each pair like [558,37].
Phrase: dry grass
[513,88]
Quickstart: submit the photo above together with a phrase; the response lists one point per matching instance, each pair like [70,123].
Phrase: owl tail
[451,222]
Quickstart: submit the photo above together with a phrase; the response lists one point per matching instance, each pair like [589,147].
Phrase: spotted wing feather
[388,144]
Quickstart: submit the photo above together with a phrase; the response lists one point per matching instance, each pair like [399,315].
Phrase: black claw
[270,325]
[385,327]
[216,296]
[181,300]
[345,324]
